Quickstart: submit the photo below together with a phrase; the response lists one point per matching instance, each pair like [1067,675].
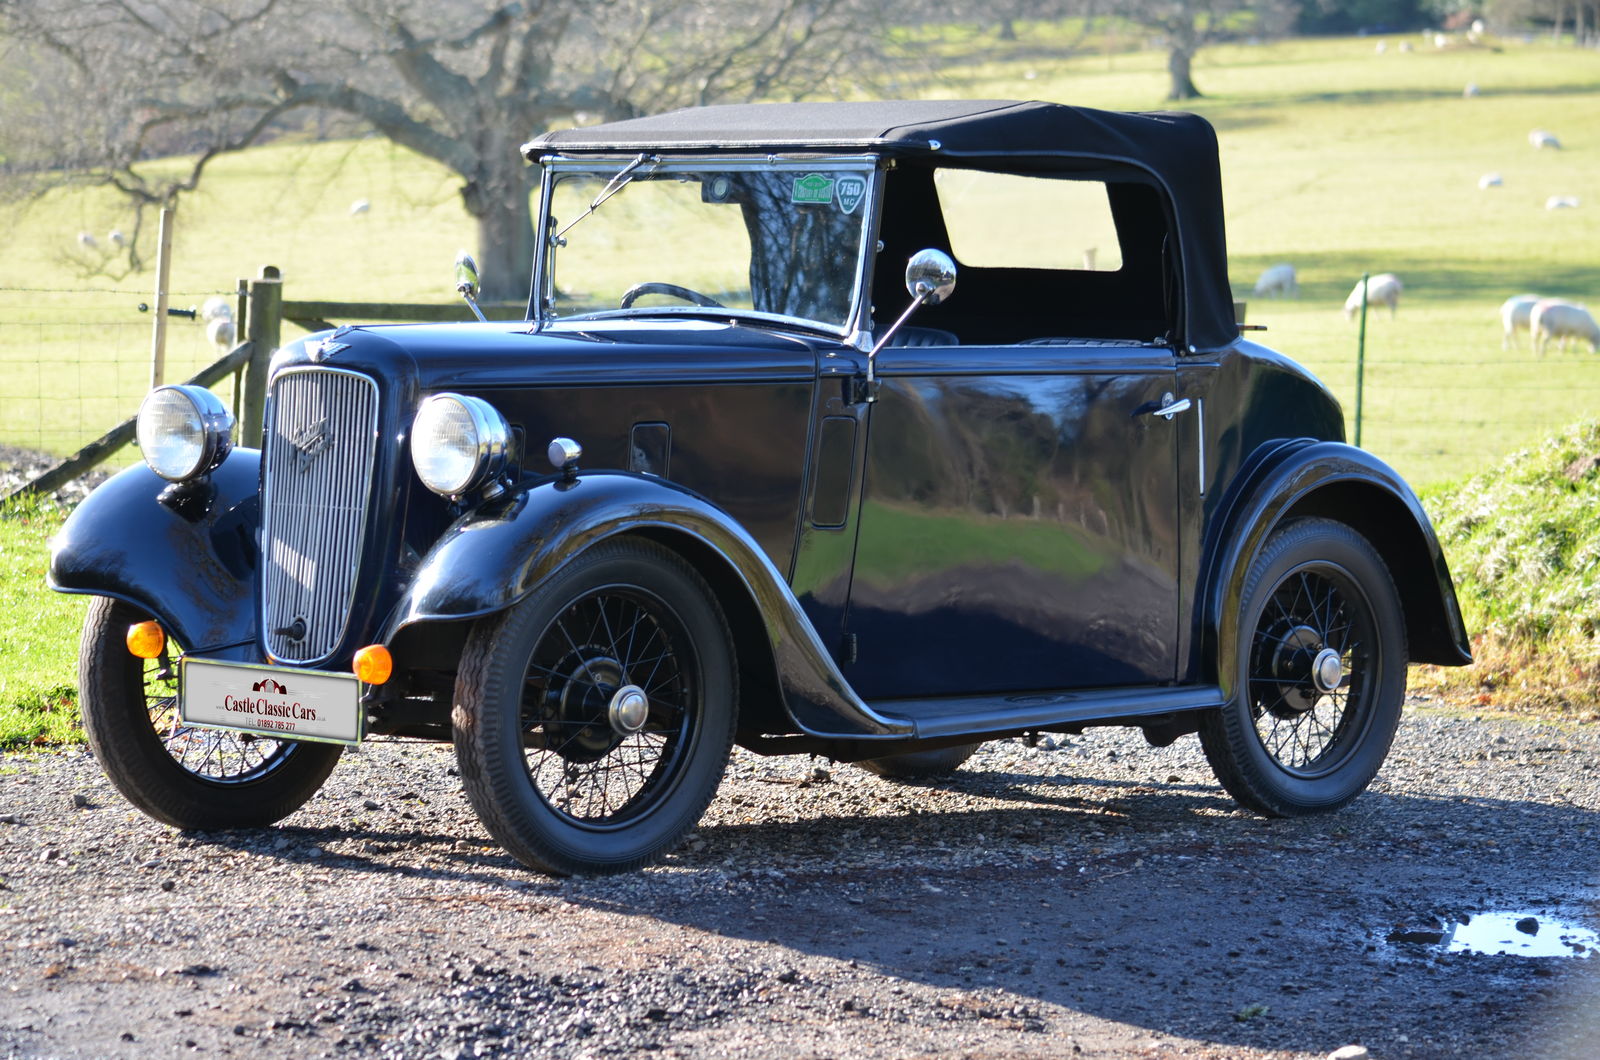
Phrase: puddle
[1521,935]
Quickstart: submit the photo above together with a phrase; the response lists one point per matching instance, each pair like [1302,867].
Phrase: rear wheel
[183,776]
[1320,674]
[593,720]
[912,764]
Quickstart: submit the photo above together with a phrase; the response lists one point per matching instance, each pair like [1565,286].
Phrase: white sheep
[216,308]
[1384,287]
[1561,202]
[1514,317]
[1470,91]
[360,206]
[1382,47]
[1490,180]
[1552,318]
[118,240]
[1405,46]
[1278,280]
[87,241]
[1540,139]
[220,332]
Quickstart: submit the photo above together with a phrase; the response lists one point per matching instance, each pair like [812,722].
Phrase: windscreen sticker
[812,188]
[851,191]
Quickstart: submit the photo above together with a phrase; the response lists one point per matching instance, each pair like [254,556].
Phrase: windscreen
[781,239]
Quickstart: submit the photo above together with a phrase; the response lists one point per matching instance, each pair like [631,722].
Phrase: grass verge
[38,635]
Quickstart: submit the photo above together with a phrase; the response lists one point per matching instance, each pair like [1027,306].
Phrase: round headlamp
[184,431]
[458,443]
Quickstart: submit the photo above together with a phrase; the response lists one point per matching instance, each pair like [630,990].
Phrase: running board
[979,715]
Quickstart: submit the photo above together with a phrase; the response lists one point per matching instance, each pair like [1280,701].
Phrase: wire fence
[74,363]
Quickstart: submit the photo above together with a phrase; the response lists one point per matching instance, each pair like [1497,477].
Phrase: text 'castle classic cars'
[868,430]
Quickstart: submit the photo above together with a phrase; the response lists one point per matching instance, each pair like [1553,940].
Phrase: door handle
[1167,408]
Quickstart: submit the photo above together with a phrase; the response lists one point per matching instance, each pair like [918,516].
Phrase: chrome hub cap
[1327,671]
[629,709]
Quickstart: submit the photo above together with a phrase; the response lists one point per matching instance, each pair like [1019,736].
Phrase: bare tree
[464,82]
[1189,25]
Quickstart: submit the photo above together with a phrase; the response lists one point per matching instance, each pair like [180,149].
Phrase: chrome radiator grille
[320,449]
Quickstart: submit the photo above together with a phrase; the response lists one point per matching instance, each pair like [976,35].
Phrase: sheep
[220,332]
[1490,180]
[87,241]
[118,240]
[1514,317]
[1382,47]
[1470,91]
[360,206]
[1540,139]
[1384,287]
[1279,280]
[1561,202]
[1552,318]
[216,308]
[1405,46]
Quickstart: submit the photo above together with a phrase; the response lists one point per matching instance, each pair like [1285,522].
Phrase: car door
[1017,524]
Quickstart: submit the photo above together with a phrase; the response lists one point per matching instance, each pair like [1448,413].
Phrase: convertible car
[865,430]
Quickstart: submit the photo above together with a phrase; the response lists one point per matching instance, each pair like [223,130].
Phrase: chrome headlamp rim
[212,431]
[490,444]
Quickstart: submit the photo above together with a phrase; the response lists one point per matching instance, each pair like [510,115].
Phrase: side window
[1017,221]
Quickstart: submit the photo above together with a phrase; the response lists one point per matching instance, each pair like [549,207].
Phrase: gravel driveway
[1096,898]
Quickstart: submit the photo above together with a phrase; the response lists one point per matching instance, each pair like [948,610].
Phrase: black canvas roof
[1179,151]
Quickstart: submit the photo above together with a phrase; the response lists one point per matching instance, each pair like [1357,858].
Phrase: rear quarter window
[1010,220]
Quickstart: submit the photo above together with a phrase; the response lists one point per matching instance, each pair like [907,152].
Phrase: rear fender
[1339,482]
[504,551]
[186,554]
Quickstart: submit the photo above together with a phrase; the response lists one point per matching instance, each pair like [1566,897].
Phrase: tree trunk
[1181,84]
[501,203]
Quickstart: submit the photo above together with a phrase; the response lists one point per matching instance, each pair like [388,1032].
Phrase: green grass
[38,635]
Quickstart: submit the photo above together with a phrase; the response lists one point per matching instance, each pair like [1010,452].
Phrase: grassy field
[1336,158]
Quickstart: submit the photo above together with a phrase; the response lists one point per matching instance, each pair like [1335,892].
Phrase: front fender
[186,554]
[1340,482]
[503,552]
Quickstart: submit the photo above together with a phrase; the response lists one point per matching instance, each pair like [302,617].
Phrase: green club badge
[812,188]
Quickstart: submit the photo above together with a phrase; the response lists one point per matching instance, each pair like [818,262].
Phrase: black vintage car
[753,470]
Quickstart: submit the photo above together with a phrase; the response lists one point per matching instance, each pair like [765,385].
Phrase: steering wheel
[633,293]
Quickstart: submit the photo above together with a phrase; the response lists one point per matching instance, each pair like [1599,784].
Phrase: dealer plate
[271,700]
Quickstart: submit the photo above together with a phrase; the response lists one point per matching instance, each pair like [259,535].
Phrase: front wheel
[190,778]
[593,720]
[1320,674]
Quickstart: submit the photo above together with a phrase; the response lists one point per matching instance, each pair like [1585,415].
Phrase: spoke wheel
[593,720]
[184,776]
[1320,674]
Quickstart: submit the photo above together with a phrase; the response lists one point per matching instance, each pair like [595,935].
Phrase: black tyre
[912,764]
[593,720]
[189,778]
[1321,674]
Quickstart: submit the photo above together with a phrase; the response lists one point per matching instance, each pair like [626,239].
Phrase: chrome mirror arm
[930,277]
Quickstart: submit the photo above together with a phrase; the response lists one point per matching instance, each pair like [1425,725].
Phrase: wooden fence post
[158,340]
[263,324]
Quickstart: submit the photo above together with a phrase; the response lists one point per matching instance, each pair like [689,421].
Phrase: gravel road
[1093,898]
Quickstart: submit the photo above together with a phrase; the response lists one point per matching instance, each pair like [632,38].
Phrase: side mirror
[930,278]
[467,282]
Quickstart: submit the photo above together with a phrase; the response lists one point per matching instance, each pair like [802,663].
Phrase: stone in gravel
[1350,1052]
[1528,925]
[371,804]
[10,818]
[81,801]
[169,885]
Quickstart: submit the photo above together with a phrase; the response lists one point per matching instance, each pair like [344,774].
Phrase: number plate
[271,700]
